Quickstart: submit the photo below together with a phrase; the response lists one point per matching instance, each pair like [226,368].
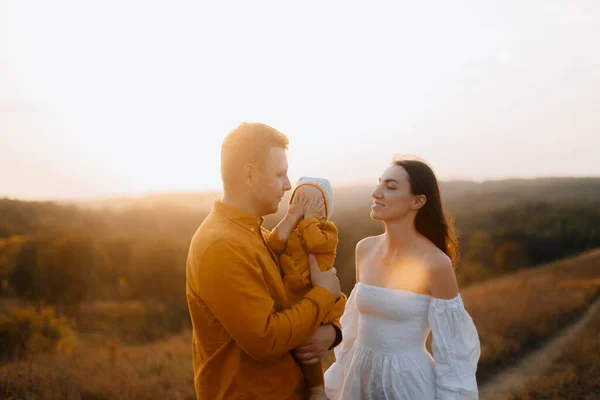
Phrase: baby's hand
[297,206]
[316,208]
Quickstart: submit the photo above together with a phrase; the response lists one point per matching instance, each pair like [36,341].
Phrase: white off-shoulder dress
[383,354]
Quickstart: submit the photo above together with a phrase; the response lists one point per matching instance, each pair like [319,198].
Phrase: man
[244,328]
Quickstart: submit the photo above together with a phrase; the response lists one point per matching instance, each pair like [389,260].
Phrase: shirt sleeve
[276,244]
[234,289]
[319,236]
[339,336]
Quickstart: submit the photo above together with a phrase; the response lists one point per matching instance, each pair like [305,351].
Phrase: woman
[406,288]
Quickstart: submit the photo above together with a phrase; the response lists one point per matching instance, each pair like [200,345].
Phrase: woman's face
[392,199]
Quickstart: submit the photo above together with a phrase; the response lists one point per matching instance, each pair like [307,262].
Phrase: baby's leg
[296,277]
[318,393]
[315,382]
[297,284]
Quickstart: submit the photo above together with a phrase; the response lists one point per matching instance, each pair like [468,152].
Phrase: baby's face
[309,192]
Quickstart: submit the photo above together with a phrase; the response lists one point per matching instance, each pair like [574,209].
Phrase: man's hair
[248,144]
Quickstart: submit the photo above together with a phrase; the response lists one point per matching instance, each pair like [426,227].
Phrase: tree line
[70,257]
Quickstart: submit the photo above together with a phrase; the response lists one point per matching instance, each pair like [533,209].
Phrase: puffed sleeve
[334,376]
[455,347]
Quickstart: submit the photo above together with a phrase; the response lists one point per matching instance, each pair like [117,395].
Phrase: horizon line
[342,185]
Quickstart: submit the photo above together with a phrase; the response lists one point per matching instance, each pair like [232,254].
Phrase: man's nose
[288,185]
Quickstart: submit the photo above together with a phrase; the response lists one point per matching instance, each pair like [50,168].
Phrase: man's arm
[316,347]
[235,291]
[338,334]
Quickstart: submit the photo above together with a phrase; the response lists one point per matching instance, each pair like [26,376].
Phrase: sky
[131,97]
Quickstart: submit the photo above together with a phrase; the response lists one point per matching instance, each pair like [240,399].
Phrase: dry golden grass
[575,373]
[513,314]
[516,313]
[162,370]
[124,320]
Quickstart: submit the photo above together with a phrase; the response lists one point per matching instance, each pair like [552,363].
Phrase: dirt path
[512,380]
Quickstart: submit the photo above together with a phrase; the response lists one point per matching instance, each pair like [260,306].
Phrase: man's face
[271,181]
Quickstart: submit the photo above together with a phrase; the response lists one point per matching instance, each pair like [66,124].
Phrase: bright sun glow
[100,98]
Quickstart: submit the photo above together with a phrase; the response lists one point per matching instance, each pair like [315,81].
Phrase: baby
[305,230]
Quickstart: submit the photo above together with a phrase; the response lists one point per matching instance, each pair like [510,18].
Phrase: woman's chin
[375,215]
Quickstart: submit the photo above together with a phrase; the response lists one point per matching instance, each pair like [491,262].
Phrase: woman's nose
[376,193]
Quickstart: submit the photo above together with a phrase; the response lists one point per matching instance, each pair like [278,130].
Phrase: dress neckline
[395,290]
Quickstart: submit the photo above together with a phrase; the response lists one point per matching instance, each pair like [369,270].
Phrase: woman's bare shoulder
[367,243]
[442,282]
[363,248]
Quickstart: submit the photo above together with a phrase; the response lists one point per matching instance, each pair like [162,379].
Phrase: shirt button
[252,229]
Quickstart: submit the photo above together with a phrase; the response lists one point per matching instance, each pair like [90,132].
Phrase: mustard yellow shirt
[244,326]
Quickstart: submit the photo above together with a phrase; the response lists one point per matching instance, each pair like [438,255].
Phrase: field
[575,373]
[92,305]
[514,315]
[101,368]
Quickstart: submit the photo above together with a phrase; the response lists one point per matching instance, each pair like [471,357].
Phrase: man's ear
[419,201]
[249,174]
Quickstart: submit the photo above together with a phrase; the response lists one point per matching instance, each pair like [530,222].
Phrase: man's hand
[311,352]
[315,208]
[328,279]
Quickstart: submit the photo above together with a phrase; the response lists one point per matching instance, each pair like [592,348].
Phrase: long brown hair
[431,220]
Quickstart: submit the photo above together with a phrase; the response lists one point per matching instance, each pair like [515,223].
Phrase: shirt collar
[240,217]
